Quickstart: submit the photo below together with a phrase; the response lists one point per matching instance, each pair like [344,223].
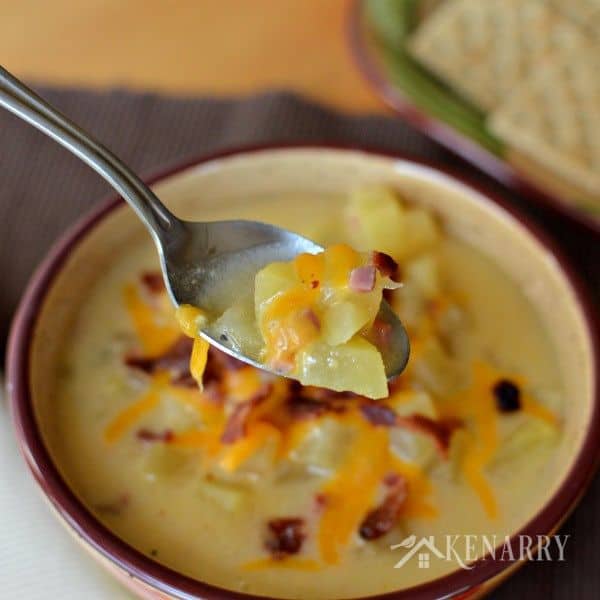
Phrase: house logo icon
[424,548]
[464,549]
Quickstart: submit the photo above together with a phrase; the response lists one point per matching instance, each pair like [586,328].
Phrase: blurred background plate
[378,31]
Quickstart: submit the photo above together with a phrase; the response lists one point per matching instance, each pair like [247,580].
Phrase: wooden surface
[200,47]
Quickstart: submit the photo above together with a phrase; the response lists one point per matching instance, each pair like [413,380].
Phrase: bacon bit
[321,501]
[235,427]
[385,264]
[378,414]
[286,536]
[305,402]
[175,360]
[362,279]
[391,479]
[314,284]
[217,364]
[439,431]
[301,407]
[153,282]
[319,393]
[147,435]
[305,407]
[381,520]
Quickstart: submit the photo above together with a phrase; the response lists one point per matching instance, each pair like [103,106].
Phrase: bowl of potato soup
[243,484]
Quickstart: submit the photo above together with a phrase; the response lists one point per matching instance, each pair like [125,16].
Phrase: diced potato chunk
[325,447]
[423,273]
[455,332]
[229,496]
[271,281]
[343,319]
[162,462]
[172,414]
[420,232]
[355,365]
[412,446]
[533,434]
[375,220]
[238,325]
[438,372]
[409,303]
[459,443]
[417,403]
[345,311]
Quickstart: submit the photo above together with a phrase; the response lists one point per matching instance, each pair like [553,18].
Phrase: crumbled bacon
[378,414]
[391,479]
[301,406]
[175,360]
[147,435]
[285,536]
[440,431]
[381,519]
[319,393]
[153,282]
[320,501]
[385,264]
[235,427]
[218,363]
[362,279]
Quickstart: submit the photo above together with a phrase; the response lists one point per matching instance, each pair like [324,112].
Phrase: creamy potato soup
[261,485]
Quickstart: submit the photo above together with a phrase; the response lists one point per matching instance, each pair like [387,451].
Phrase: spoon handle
[27,105]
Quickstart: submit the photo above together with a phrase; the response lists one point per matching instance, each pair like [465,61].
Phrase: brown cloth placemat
[43,189]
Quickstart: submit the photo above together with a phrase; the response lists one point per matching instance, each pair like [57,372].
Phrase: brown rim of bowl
[142,567]
[445,134]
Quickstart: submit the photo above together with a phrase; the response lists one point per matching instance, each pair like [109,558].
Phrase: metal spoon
[199,260]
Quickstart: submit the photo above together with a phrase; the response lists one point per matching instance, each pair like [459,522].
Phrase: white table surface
[38,558]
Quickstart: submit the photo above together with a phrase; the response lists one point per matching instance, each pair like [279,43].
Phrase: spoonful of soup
[267,296]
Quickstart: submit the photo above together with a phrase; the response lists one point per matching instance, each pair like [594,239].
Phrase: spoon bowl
[203,264]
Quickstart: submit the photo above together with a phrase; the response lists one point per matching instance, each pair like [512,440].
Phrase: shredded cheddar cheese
[349,495]
[191,320]
[235,455]
[340,260]
[155,330]
[130,415]
[243,384]
[288,324]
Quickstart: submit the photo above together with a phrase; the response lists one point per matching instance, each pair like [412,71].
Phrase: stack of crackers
[534,67]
